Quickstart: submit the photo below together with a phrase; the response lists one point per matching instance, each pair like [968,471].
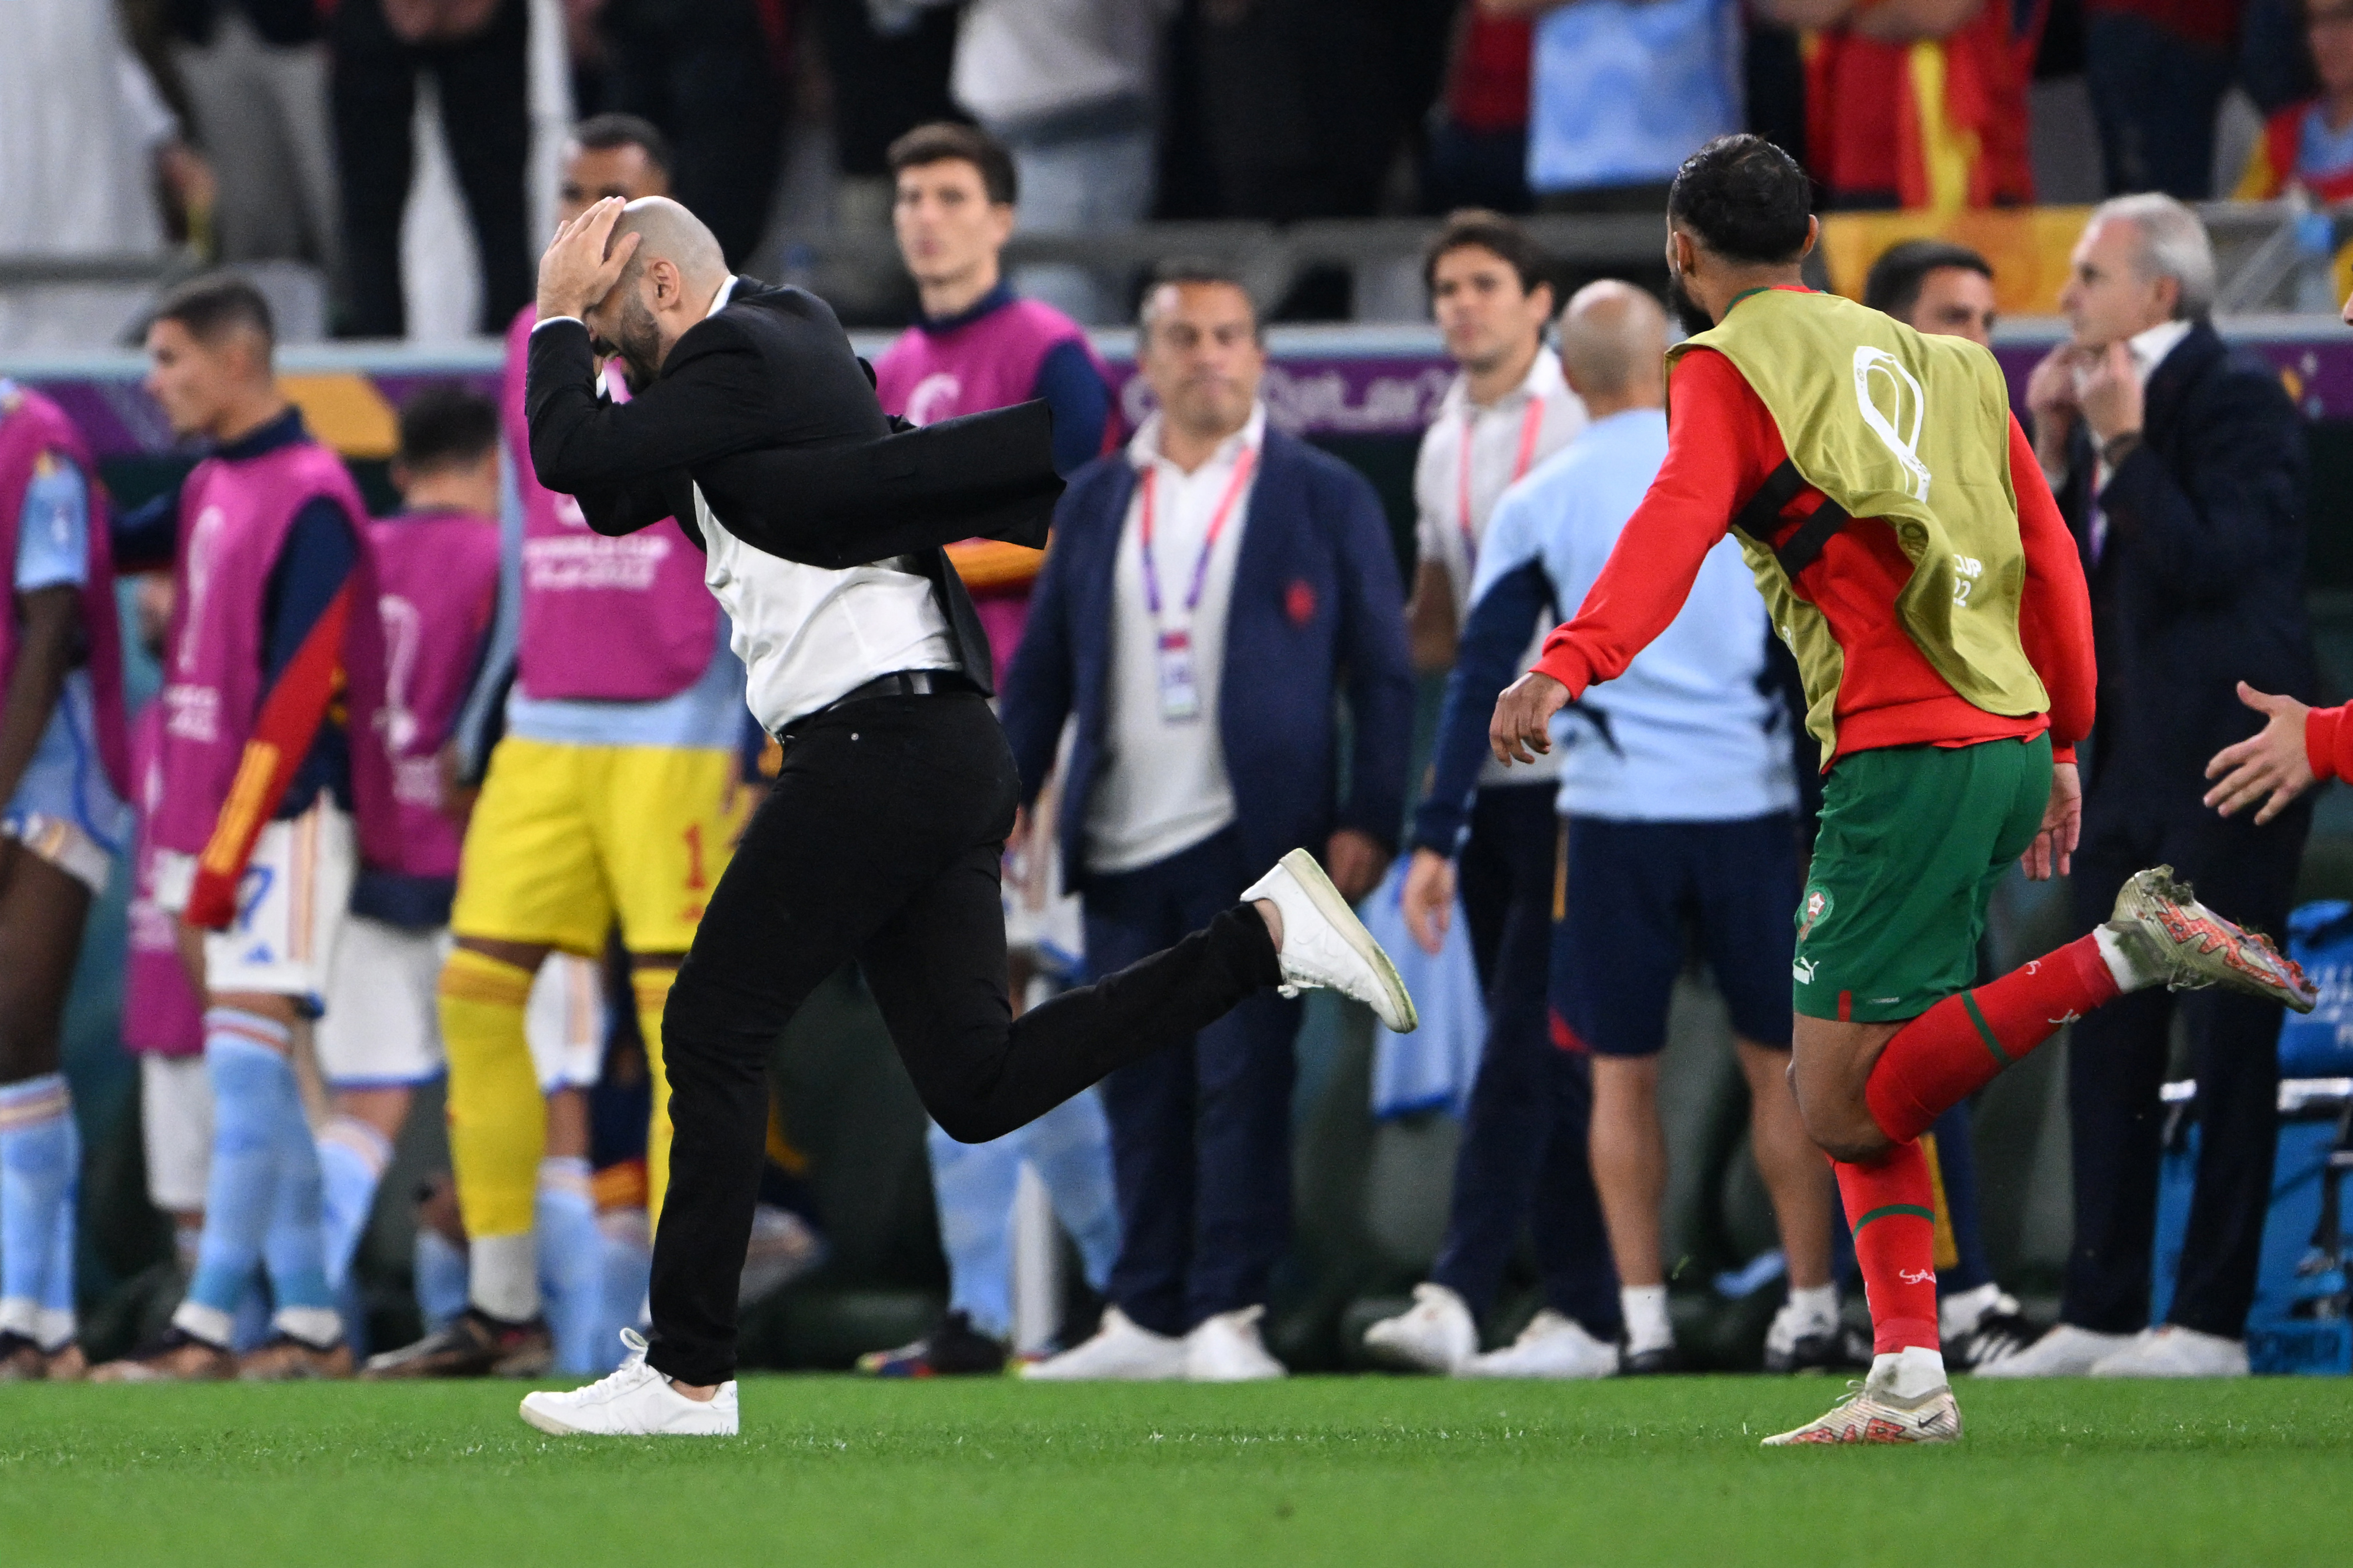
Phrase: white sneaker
[1434,1334]
[1870,1414]
[1326,946]
[2175,1352]
[635,1402]
[1801,1340]
[1550,1346]
[1227,1349]
[2065,1351]
[1122,1351]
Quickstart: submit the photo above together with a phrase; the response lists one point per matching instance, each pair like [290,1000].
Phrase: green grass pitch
[1357,1470]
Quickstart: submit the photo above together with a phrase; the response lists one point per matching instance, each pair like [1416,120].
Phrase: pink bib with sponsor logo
[31,426]
[234,519]
[438,586]
[162,1014]
[604,620]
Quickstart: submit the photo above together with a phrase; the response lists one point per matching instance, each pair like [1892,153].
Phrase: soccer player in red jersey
[1913,558]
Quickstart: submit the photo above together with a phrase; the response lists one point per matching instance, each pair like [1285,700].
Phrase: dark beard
[1687,310]
[641,344]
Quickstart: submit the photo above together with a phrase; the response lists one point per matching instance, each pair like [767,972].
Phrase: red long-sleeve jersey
[1722,443]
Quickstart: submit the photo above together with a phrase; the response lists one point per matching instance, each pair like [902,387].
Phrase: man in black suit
[882,839]
[2181,465]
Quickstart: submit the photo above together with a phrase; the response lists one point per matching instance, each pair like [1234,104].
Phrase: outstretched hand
[574,272]
[1522,728]
[2053,849]
[2271,763]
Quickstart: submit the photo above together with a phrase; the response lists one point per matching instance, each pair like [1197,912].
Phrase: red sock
[1956,1047]
[1889,1208]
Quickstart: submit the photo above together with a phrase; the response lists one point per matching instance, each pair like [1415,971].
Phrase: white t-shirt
[1163,786]
[1505,440]
[808,636]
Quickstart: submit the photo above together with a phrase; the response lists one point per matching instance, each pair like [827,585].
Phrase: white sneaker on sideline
[1121,1351]
[634,1402]
[1227,1349]
[2065,1351]
[1550,1346]
[1326,946]
[1435,1334]
[2176,1352]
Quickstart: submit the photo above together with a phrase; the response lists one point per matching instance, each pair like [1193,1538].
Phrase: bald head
[668,232]
[1613,345]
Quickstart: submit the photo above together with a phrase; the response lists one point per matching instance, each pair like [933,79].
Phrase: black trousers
[881,842]
[485,115]
[1526,1133]
[706,73]
[2117,1059]
[1200,1135]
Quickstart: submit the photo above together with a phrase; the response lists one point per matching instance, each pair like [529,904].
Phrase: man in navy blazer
[1214,596]
[2181,465]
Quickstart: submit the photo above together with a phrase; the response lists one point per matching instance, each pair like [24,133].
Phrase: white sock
[210,1324]
[503,1279]
[1818,1303]
[1644,1307]
[1908,1373]
[2130,976]
[320,1328]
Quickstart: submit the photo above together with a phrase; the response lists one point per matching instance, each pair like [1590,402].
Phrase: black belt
[898,683]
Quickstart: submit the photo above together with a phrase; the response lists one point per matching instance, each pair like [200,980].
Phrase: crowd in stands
[261,130]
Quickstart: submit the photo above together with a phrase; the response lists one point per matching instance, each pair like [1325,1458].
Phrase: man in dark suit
[2181,465]
[1213,593]
[883,838]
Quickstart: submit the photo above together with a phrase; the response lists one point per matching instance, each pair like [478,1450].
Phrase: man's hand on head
[1522,728]
[575,273]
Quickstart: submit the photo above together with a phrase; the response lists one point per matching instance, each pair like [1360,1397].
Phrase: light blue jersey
[1624,91]
[65,779]
[1684,735]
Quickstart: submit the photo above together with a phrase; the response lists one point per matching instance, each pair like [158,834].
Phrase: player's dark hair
[1488,231]
[447,425]
[1902,271]
[609,133]
[945,138]
[1182,271]
[1745,199]
[215,305]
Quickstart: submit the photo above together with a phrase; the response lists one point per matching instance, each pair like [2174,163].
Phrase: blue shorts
[1633,896]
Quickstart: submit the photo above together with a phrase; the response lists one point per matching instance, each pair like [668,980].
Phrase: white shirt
[1504,441]
[808,636]
[2147,349]
[1162,787]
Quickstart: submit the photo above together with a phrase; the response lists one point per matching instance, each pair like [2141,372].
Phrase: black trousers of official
[486,123]
[1526,1134]
[2116,1060]
[882,841]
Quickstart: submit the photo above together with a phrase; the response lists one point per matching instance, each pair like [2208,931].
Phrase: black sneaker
[1999,1335]
[1655,1363]
[952,1349]
[475,1345]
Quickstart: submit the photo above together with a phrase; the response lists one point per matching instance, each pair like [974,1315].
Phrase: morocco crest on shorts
[1815,909]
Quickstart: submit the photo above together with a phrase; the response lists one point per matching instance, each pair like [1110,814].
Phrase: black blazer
[764,407]
[2200,583]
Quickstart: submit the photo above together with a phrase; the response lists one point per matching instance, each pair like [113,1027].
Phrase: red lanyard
[1217,526]
[1531,427]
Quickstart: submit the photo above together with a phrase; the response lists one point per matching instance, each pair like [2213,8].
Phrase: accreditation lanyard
[1531,427]
[1181,686]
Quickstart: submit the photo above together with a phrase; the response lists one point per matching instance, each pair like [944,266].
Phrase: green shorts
[1912,840]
